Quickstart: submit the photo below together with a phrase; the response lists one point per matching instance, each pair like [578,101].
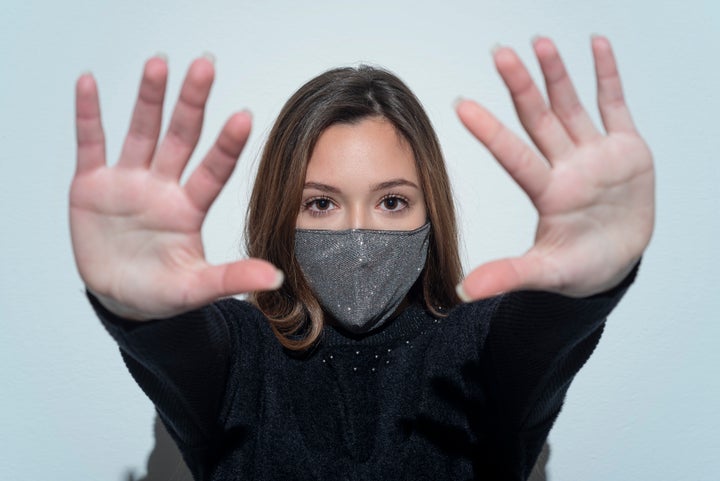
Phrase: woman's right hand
[136,231]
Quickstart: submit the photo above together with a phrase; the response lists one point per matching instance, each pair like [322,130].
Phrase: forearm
[181,364]
[536,345]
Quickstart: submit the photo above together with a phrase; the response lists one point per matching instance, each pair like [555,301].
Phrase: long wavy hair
[343,95]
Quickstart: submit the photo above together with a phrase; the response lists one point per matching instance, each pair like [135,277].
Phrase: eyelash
[308,204]
[403,201]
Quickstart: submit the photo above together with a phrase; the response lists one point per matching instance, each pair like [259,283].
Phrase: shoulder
[476,315]
[232,307]
[243,317]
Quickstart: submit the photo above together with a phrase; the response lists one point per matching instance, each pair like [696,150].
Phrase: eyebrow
[321,187]
[393,183]
[381,186]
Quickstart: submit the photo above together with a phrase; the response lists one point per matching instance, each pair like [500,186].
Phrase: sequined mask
[361,276]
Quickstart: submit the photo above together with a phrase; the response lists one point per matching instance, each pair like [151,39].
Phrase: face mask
[361,276]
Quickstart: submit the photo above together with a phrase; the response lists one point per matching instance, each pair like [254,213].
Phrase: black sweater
[469,396]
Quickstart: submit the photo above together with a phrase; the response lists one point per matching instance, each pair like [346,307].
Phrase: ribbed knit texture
[469,396]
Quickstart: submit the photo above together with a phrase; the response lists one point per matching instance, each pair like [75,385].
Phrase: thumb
[501,276]
[238,277]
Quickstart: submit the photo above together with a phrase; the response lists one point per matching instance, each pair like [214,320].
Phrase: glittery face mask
[361,276]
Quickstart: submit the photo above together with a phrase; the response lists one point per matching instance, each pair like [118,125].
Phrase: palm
[593,191]
[135,228]
[122,219]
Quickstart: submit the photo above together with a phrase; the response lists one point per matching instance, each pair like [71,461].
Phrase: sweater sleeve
[537,342]
[181,363]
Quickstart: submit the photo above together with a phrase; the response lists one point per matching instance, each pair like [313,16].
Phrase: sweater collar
[406,326]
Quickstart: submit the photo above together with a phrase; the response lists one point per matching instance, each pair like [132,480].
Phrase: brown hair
[343,95]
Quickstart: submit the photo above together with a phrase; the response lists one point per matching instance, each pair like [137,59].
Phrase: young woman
[357,360]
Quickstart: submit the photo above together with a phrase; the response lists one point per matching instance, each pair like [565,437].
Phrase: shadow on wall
[166,464]
[538,473]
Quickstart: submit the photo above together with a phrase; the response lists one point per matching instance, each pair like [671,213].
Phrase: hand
[135,230]
[593,191]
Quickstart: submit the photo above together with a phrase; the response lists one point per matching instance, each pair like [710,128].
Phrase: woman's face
[362,176]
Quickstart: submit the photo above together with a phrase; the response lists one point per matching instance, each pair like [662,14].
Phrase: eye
[319,205]
[393,203]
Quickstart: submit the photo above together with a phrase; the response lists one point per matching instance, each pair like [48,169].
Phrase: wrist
[118,309]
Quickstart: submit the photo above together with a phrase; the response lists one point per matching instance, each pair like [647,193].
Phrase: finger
[88,126]
[563,98]
[501,276]
[186,121]
[611,101]
[144,128]
[523,165]
[539,121]
[208,179]
[239,277]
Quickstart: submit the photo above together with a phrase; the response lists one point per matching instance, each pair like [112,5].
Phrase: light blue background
[646,405]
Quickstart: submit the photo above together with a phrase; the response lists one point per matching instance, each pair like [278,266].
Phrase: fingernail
[458,100]
[535,38]
[495,48]
[162,56]
[461,293]
[279,279]
[209,57]
[595,38]
[86,72]
[247,113]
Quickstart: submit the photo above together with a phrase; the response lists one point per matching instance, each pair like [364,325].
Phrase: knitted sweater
[469,396]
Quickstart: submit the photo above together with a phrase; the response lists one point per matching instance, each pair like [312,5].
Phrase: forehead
[369,149]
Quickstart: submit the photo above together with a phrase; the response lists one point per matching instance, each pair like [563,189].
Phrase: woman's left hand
[594,191]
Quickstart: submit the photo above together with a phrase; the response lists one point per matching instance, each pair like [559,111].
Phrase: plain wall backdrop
[643,408]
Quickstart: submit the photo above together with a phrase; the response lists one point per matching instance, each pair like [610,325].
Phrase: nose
[358,218]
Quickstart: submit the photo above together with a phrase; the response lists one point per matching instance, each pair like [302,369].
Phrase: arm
[594,194]
[136,236]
